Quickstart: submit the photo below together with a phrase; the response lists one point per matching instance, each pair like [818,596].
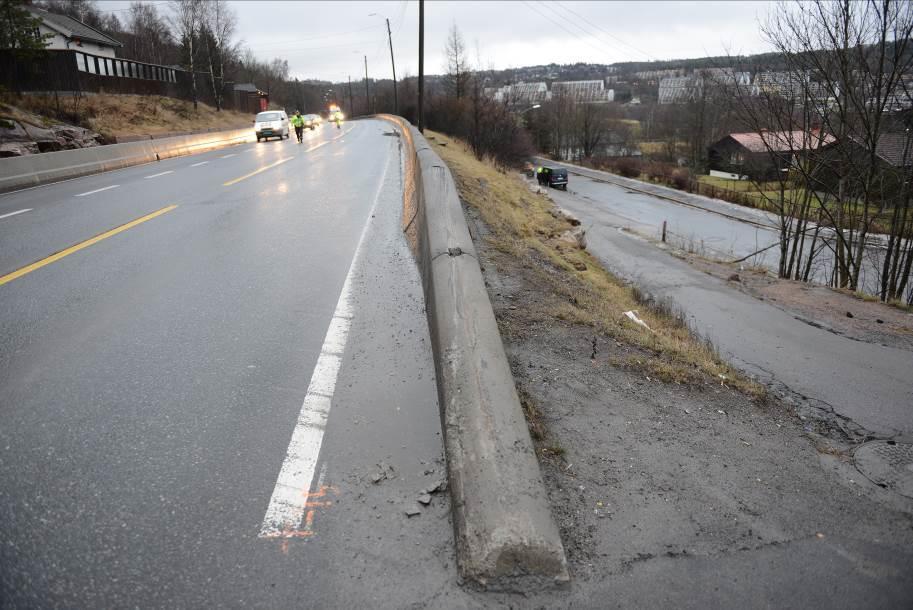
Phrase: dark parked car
[552,176]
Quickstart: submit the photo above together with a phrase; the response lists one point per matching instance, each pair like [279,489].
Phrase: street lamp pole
[393,65]
[421,66]
[367,97]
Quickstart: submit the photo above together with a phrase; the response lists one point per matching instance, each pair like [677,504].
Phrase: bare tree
[841,65]
[186,19]
[150,39]
[591,128]
[457,69]
[219,21]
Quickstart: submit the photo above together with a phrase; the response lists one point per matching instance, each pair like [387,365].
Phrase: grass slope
[528,226]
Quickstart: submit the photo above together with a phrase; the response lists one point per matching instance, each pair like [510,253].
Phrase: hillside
[37,123]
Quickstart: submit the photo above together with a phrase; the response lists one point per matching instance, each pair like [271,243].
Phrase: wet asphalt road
[709,227]
[150,384]
[870,385]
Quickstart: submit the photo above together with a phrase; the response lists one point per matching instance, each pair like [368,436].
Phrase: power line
[561,25]
[328,46]
[614,48]
[298,40]
[592,24]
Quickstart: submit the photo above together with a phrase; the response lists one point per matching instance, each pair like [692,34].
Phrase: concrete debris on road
[440,485]
[575,237]
[424,499]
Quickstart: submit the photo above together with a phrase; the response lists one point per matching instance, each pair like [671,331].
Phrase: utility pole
[421,66]
[351,103]
[393,64]
[367,97]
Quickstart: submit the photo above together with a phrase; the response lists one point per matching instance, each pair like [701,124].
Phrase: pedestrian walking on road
[298,123]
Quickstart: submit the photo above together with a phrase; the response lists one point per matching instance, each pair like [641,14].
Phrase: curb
[506,537]
[44,168]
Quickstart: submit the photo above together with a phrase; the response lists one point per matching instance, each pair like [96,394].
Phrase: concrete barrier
[506,537]
[33,170]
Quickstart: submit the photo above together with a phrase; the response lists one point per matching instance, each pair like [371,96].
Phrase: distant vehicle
[271,124]
[318,120]
[312,121]
[552,176]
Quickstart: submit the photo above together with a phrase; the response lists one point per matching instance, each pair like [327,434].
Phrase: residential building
[520,93]
[679,89]
[584,91]
[763,155]
[66,33]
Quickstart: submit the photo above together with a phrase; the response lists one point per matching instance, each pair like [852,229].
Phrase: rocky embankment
[19,136]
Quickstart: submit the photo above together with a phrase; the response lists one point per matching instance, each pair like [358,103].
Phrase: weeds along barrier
[505,535]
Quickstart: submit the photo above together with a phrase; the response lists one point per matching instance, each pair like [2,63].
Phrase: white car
[271,124]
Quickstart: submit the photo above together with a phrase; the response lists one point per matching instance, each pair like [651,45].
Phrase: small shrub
[681,178]
[629,168]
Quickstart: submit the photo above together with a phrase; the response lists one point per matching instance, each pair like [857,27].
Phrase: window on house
[80,62]
[91,65]
[109,67]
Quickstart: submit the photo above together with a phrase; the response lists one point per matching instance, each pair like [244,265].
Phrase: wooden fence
[75,72]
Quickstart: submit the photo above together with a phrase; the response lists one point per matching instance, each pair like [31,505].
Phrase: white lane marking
[325,142]
[296,477]
[170,171]
[199,164]
[16,212]
[227,156]
[113,186]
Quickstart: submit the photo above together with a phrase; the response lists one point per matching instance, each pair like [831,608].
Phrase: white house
[74,35]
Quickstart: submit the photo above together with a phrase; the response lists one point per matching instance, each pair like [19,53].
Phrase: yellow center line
[256,171]
[9,277]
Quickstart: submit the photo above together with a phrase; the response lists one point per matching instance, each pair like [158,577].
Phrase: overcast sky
[328,40]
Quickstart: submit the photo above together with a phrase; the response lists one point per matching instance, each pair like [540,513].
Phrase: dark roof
[896,149]
[73,28]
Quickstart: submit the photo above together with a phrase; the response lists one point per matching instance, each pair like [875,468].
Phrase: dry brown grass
[525,225]
[125,115]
